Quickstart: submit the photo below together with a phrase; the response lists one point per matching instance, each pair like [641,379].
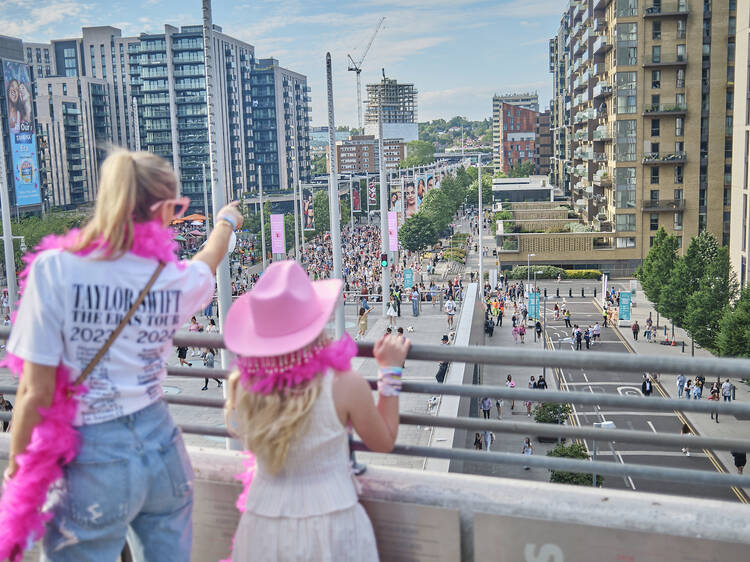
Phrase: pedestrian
[541,384]
[486,406]
[740,460]
[685,431]
[649,329]
[5,406]
[726,391]
[680,385]
[128,472]
[605,315]
[499,405]
[362,323]
[527,450]
[292,397]
[510,384]
[538,328]
[450,310]
[397,300]
[195,327]
[182,356]
[587,337]
[522,333]
[577,337]
[696,390]
[208,362]
[477,442]
[715,397]
[646,386]
[557,312]
[443,366]
[688,388]
[597,332]
[488,438]
[515,332]
[500,313]
[636,329]
[532,385]
[391,313]
[566,316]
[415,301]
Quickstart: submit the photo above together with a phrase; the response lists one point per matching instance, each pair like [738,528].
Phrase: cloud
[28,24]
[538,41]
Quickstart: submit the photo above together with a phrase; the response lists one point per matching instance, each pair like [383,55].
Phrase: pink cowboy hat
[284,312]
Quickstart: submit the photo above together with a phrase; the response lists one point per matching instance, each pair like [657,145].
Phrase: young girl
[294,396]
[362,322]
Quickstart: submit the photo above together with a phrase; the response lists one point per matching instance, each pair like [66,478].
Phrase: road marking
[586,378]
[651,425]
[648,453]
[626,413]
[628,478]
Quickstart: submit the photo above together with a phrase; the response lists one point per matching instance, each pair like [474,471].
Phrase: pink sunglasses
[180,205]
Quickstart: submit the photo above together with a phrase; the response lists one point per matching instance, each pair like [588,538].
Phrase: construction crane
[356,66]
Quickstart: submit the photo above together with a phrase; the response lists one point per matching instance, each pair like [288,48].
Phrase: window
[625,140]
[679,174]
[728,148]
[681,53]
[49,93]
[627,8]
[732,25]
[625,188]
[744,222]
[681,29]
[727,196]
[655,127]
[677,193]
[625,242]
[656,30]
[626,92]
[651,241]
[627,40]
[730,100]
[679,241]
[625,223]
[656,78]
[65,89]
[655,176]
[678,221]
[680,81]
[730,51]
[654,221]
[656,53]
[730,74]
[679,126]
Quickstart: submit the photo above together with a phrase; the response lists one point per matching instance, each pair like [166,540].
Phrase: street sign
[408,278]
[624,310]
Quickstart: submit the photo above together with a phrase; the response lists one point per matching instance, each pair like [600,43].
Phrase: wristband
[389,381]
[230,220]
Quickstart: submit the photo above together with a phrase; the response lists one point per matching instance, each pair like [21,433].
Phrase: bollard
[594,292]
[570,293]
[558,292]
[545,292]
[665,330]
[683,347]
[582,293]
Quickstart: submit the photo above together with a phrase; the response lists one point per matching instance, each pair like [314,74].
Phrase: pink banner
[278,243]
[393,231]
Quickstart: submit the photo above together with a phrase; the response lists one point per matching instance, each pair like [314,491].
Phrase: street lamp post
[528,270]
[480,220]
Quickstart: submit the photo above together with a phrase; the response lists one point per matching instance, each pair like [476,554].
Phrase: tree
[323,214]
[319,165]
[418,153]
[706,306]
[658,265]
[472,195]
[686,275]
[572,451]
[522,170]
[438,209]
[734,328]
[418,233]
[34,228]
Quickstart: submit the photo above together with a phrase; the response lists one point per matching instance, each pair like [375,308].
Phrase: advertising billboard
[22,136]
[394,201]
[393,231]
[372,193]
[278,243]
[411,198]
[421,183]
[307,209]
[356,199]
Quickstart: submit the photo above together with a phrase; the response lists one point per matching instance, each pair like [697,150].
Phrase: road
[585,312]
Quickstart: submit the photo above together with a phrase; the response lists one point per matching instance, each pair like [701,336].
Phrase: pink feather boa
[54,441]
[257,378]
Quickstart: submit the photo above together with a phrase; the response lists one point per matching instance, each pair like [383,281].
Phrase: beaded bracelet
[389,381]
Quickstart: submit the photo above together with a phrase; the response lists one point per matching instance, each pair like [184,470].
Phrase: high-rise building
[513,135]
[528,100]
[399,103]
[359,154]
[281,116]
[739,237]
[642,117]
[542,143]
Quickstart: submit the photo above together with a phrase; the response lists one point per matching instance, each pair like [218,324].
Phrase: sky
[457,53]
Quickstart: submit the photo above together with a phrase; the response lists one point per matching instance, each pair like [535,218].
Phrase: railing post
[582,293]
[557,291]
[570,293]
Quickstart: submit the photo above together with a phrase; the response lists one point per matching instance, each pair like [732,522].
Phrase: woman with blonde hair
[89,407]
[293,398]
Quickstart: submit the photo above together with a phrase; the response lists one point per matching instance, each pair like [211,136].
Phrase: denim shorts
[132,477]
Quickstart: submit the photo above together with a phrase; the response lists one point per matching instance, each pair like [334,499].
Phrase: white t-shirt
[450,307]
[72,304]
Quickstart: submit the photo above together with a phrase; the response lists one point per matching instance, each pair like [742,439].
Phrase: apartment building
[399,104]
[281,125]
[739,237]
[542,143]
[513,136]
[360,154]
[642,118]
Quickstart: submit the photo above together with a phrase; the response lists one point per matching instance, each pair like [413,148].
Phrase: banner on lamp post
[393,231]
[372,193]
[624,309]
[278,243]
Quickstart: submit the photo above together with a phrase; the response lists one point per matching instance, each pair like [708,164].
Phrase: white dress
[310,509]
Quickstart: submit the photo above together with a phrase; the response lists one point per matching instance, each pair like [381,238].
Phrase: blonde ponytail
[130,183]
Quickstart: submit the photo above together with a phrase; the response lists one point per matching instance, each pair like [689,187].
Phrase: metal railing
[531,358]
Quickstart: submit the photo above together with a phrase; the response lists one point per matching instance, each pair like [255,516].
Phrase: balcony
[602,90]
[602,134]
[599,69]
[662,62]
[671,9]
[664,157]
[663,205]
[665,109]
[602,45]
